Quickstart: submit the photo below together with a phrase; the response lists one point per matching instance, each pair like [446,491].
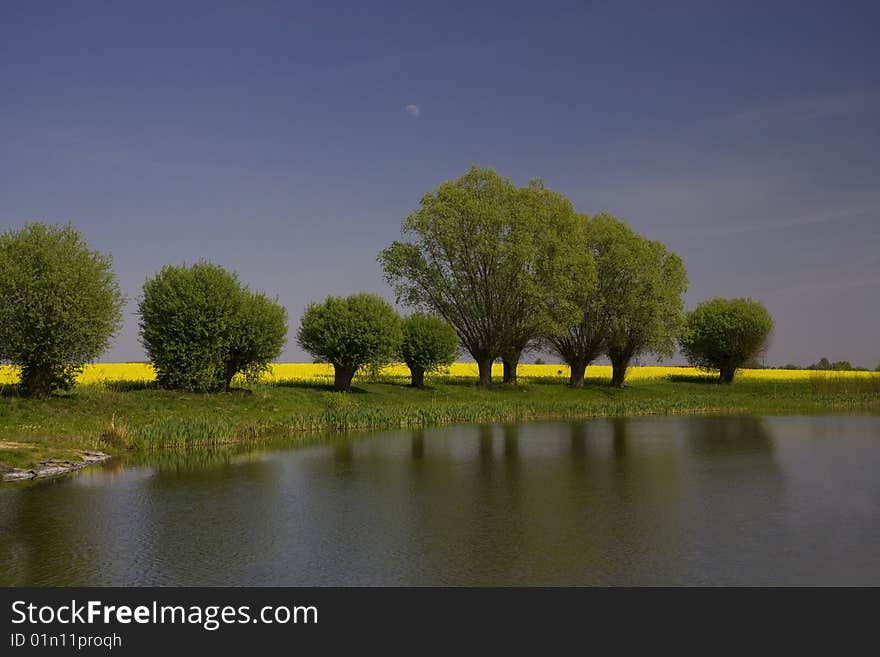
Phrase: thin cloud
[809,109]
[823,286]
[802,220]
[413,111]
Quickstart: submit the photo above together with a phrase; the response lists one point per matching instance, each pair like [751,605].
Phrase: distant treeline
[824,365]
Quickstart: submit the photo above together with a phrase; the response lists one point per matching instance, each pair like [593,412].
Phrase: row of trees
[364,330]
[201,327]
[513,268]
[60,306]
[837,366]
[496,268]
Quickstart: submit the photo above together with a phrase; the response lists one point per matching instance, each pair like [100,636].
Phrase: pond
[647,501]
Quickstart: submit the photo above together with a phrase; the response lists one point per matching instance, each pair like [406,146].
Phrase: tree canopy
[602,283]
[482,253]
[201,326]
[258,338]
[722,334]
[428,343]
[649,311]
[351,332]
[60,305]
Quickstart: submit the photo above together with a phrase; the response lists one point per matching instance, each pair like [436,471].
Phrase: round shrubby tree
[650,311]
[723,334]
[260,335]
[201,326]
[351,332]
[60,305]
[428,344]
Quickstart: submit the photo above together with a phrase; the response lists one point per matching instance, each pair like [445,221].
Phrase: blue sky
[275,139]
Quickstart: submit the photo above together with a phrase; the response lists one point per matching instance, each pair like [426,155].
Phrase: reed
[188,431]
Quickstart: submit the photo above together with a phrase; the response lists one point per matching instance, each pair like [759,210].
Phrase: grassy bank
[123,415]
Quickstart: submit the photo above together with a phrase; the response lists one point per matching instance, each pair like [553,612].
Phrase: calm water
[641,501]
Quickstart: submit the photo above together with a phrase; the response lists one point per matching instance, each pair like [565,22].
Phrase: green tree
[350,332]
[481,255]
[823,364]
[650,311]
[60,305]
[428,344]
[201,326]
[722,334]
[552,268]
[259,336]
[599,293]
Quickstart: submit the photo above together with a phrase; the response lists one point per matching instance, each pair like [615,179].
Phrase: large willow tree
[554,268]
[486,256]
[630,305]
[601,241]
[650,312]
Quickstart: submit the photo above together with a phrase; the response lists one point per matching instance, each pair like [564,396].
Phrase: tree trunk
[418,376]
[510,365]
[485,365]
[342,376]
[618,370]
[726,375]
[36,380]
[578,370]
[228,374]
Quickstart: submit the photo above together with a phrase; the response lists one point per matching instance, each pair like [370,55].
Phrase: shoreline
[53,467]
[41,437]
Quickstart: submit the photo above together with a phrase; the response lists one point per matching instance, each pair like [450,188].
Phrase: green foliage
[555,267]
[259,337]
[188,316]
[723,334]
[487,257]
[428,344]
[836,366]
[201,326]
[186,431]
[60,305]
[351,332]
[601,292]
[649,310]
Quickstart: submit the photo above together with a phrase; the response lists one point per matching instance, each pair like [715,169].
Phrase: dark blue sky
[274,139]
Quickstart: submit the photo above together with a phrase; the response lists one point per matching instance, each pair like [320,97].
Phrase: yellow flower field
[101,372]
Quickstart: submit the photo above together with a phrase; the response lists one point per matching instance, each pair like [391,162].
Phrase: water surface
[698,500]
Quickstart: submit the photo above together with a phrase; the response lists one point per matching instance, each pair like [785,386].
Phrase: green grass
[119,417]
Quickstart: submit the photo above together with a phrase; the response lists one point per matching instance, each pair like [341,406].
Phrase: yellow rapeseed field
[102,372]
